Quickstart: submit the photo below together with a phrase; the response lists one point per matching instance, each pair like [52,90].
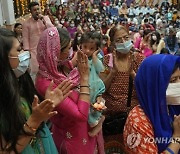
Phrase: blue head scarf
[151,82]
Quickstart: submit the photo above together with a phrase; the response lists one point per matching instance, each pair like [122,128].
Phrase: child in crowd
[90,43]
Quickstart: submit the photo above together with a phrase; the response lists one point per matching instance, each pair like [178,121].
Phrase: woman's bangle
[33,130]
[86,93]
[84,86]
[169,150]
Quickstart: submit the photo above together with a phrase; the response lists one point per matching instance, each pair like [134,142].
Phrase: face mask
[62,21]
[78,18]
[85,28]
[173,94]
[124,47]
[24,58]
[72,25]
[56,22]
[104,42]
[78,38]
[154,38]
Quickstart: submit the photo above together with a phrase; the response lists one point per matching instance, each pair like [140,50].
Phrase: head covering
[151,82]
[48,51]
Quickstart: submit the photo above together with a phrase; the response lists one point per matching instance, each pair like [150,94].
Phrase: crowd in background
[79,17]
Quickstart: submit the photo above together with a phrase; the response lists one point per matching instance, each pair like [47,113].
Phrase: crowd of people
[94,77]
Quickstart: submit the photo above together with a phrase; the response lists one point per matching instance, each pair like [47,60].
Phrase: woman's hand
[59,93]
[74,60]
[41,112]
[94,55]
[176,126]
[82,64]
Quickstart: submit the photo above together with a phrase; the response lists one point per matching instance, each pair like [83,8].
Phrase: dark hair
[32,4]
[146,20]
[146,32]
[64,38]
[164,51]
[158,36]
[105,37]
[86,37]
[17,24]
[11,115]
[113,31]
[76,41]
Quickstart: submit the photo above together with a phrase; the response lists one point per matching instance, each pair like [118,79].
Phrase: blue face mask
[24,60]
[124,47]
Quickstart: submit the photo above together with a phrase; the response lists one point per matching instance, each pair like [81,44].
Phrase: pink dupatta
[48,51]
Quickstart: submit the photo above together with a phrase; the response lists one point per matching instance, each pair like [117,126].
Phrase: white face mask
[154,38]
[173,94]
[124,47]
[24,60]
[104,42]
[72,25]
[56,22]
[78,38]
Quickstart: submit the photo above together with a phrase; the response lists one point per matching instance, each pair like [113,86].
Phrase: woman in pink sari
[70,127]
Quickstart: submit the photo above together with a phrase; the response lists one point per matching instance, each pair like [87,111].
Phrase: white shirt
[137,11]
[134,21]
[131,11]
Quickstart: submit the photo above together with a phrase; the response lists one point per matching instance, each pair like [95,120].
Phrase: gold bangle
[33,130]
[86,93]
[84,86]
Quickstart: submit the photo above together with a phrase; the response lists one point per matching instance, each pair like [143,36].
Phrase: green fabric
[53,9]
[43,143]
[97,88]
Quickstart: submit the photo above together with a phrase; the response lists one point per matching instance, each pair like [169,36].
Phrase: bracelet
[169,150]
[86,93]
[84,86]
[175,140]
[33,130]
[32,134]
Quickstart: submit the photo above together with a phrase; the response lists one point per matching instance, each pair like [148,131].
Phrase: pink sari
[47,56]
[70,126]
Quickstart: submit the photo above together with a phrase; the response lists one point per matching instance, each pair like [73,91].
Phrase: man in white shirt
[131,11]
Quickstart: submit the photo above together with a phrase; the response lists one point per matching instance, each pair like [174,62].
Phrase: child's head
[90,42]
